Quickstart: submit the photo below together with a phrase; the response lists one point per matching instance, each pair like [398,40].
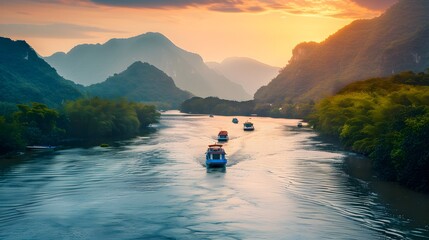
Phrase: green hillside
[25,77]
[141,82]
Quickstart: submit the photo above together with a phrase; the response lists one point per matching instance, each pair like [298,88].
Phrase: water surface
[281,182]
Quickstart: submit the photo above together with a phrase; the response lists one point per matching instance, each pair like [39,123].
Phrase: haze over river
[281,182]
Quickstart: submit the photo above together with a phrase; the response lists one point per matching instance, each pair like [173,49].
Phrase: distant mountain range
[396,41]
[25,77]
[249,73]
[93,63]
[141,82]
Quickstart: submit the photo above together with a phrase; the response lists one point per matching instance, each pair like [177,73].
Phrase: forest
[214,105]
[82,119]
[386,119]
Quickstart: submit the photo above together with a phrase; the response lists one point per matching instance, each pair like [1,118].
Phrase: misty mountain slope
[25,77]
[249,73]
[93,63]
[396,41]
[141,82]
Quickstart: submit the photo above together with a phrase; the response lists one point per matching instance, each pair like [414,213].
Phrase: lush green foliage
[39,124]
[100,118]
[94,118]
[212,105]
[10,136]
[34,124]
[387,119]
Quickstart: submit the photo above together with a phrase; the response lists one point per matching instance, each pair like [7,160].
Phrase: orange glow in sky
[266,30]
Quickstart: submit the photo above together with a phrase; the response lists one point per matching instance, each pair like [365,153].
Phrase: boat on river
[248,126]
[215,156]
[222,136]
[235,120]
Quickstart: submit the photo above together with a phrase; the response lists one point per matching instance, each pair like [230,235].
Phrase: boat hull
[222,139]
[216,163]
[249,129]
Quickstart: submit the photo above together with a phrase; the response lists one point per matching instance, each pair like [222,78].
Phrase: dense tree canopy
[387,119]
[213,105]
[98,118]
[92,118]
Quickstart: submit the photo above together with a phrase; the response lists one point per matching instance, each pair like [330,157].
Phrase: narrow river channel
[281,182]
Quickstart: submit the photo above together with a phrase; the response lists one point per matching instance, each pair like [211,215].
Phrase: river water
[281,182]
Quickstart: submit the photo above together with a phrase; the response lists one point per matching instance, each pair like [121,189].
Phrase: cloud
[331,8]
[56,30]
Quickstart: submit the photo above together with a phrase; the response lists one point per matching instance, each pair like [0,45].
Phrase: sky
[266,30]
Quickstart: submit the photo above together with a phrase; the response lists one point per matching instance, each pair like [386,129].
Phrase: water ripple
[281,182]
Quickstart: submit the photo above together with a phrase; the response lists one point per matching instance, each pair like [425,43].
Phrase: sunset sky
[266,30]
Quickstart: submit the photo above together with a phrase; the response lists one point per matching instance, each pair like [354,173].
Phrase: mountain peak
[141,82]
[394,42]
[139,64]
[17,49]
[153,35]
[145,38]
[407,10]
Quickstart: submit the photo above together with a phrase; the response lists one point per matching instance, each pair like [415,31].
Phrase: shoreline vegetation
[86,119]
[217,106]
[385,119]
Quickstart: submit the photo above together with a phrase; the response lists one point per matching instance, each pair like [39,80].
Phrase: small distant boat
[235,120]
[215,156]
[41,148]
[300,125]
[222,136]
[248,126]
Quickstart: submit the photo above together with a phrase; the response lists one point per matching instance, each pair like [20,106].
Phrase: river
[281,182]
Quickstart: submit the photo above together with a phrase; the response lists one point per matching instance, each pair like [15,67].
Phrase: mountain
[93,63]
[141,82]
[396,41]
[249,73]
[25,77]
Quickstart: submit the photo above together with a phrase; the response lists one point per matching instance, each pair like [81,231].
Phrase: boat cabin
[215,156]
[222,136]
[248,126]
